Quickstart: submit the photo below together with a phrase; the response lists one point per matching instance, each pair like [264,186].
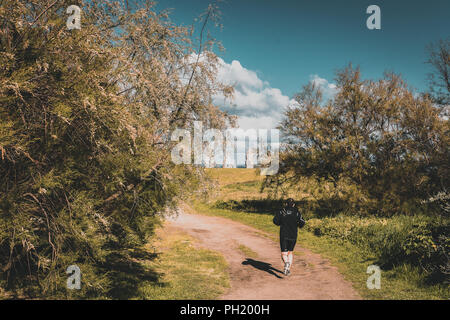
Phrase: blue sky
[281,45]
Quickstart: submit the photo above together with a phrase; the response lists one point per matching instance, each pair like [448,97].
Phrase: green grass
[188,272]
[249,253]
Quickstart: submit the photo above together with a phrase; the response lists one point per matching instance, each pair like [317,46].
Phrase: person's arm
[277,218]
[300,221]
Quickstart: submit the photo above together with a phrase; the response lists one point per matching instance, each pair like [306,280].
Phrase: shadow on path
[267,267]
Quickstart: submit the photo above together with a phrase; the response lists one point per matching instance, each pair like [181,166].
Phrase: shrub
[377,146]
[85,163]
[419,240]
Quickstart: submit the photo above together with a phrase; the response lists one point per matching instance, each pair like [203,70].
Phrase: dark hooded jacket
[288,219]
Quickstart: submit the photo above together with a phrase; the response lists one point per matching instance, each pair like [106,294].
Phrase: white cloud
[255,102]
[328,89]
[260,122]
[235,73]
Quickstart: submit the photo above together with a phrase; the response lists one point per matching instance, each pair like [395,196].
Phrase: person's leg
[290,258]
[290,254]
[284,250]
[284,256]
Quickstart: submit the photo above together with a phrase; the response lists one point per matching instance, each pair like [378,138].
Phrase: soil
[260,276]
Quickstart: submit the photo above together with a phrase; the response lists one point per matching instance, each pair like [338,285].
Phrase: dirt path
[259,278]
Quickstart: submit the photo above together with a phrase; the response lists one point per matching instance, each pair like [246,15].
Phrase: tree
[439,79]
[85,122]
[376,138]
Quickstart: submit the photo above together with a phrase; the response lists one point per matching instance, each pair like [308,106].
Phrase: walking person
[289,219]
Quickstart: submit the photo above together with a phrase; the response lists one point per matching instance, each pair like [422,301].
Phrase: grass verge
[171,267]
[187,272]
[249,253]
